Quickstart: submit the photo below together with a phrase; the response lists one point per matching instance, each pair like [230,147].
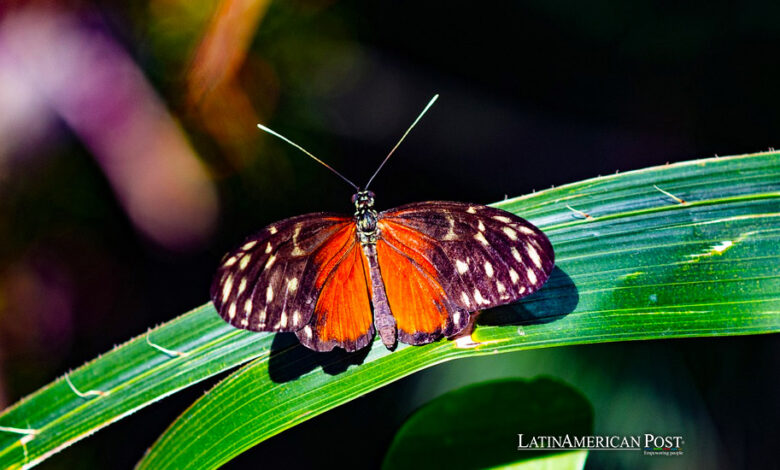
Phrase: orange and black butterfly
[413,273]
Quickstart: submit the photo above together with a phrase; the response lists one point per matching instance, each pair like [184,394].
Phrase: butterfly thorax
[365,217]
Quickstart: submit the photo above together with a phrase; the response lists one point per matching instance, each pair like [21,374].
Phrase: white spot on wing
[296,318]
[462,267]
[242,286]
[481,238]
[268,248]
[226,288]
[307,331]
[292,284]
[471,210]
[244,261]
[297,250]
[272,229]
[450,235]
[465,297]
[283,320]
[531,276]
[270,261]
[230,261]
[244,322]
[514,276]
[249,245]
[509,233]
[534,255]
[502,218]
[500,287]
[525,230]
[232,311]
[456,318]
[269,294]
[516,254]
[478,297]
[488,269]
[481,226]
[248,306]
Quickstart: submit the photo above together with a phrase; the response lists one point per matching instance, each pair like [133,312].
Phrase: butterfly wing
[271,282]
[473,257]
[418,296]
[342,315]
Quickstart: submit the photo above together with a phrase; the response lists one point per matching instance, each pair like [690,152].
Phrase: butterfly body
[413,273]
[366,219]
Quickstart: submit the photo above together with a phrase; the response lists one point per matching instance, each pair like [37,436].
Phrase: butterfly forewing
[272,281]
[484,257]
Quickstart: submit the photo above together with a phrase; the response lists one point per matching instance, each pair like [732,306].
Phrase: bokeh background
[130,162]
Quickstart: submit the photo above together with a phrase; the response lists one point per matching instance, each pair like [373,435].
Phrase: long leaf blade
[130,377]
[635,262]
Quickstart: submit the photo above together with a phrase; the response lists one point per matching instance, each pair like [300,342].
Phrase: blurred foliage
[470,427]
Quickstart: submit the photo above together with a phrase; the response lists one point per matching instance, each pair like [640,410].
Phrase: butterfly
[413,274]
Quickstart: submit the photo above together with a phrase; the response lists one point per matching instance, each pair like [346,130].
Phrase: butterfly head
[363,199]
[365,216]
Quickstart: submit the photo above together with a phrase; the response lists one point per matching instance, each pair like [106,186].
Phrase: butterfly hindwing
[417,294]
[483,257]
[342,316]
[271,282]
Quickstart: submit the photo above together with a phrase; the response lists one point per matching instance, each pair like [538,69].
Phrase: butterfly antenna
[427,107]
[262,127]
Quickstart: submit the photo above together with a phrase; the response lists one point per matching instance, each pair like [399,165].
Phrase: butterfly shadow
[556,299]
[290,360]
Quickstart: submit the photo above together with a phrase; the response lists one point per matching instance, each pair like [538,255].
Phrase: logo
[649,444]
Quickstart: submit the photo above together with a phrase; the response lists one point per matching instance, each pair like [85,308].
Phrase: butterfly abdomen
[383,316]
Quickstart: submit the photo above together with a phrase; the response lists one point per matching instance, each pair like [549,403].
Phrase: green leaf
[131,377]
[730,199]
[477,426]
[641,265]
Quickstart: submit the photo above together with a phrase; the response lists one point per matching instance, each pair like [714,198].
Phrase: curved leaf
[681,250]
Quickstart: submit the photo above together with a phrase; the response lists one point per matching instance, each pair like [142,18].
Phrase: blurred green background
[130,162]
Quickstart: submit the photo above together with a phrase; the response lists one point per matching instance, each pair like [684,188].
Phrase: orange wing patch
[420,305]
[417,301]
[331,254]
[342,316]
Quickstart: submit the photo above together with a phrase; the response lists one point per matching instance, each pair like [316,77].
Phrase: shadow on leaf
[556,299]
[289,359]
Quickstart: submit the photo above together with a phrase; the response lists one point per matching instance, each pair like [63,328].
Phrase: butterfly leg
[383,317]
